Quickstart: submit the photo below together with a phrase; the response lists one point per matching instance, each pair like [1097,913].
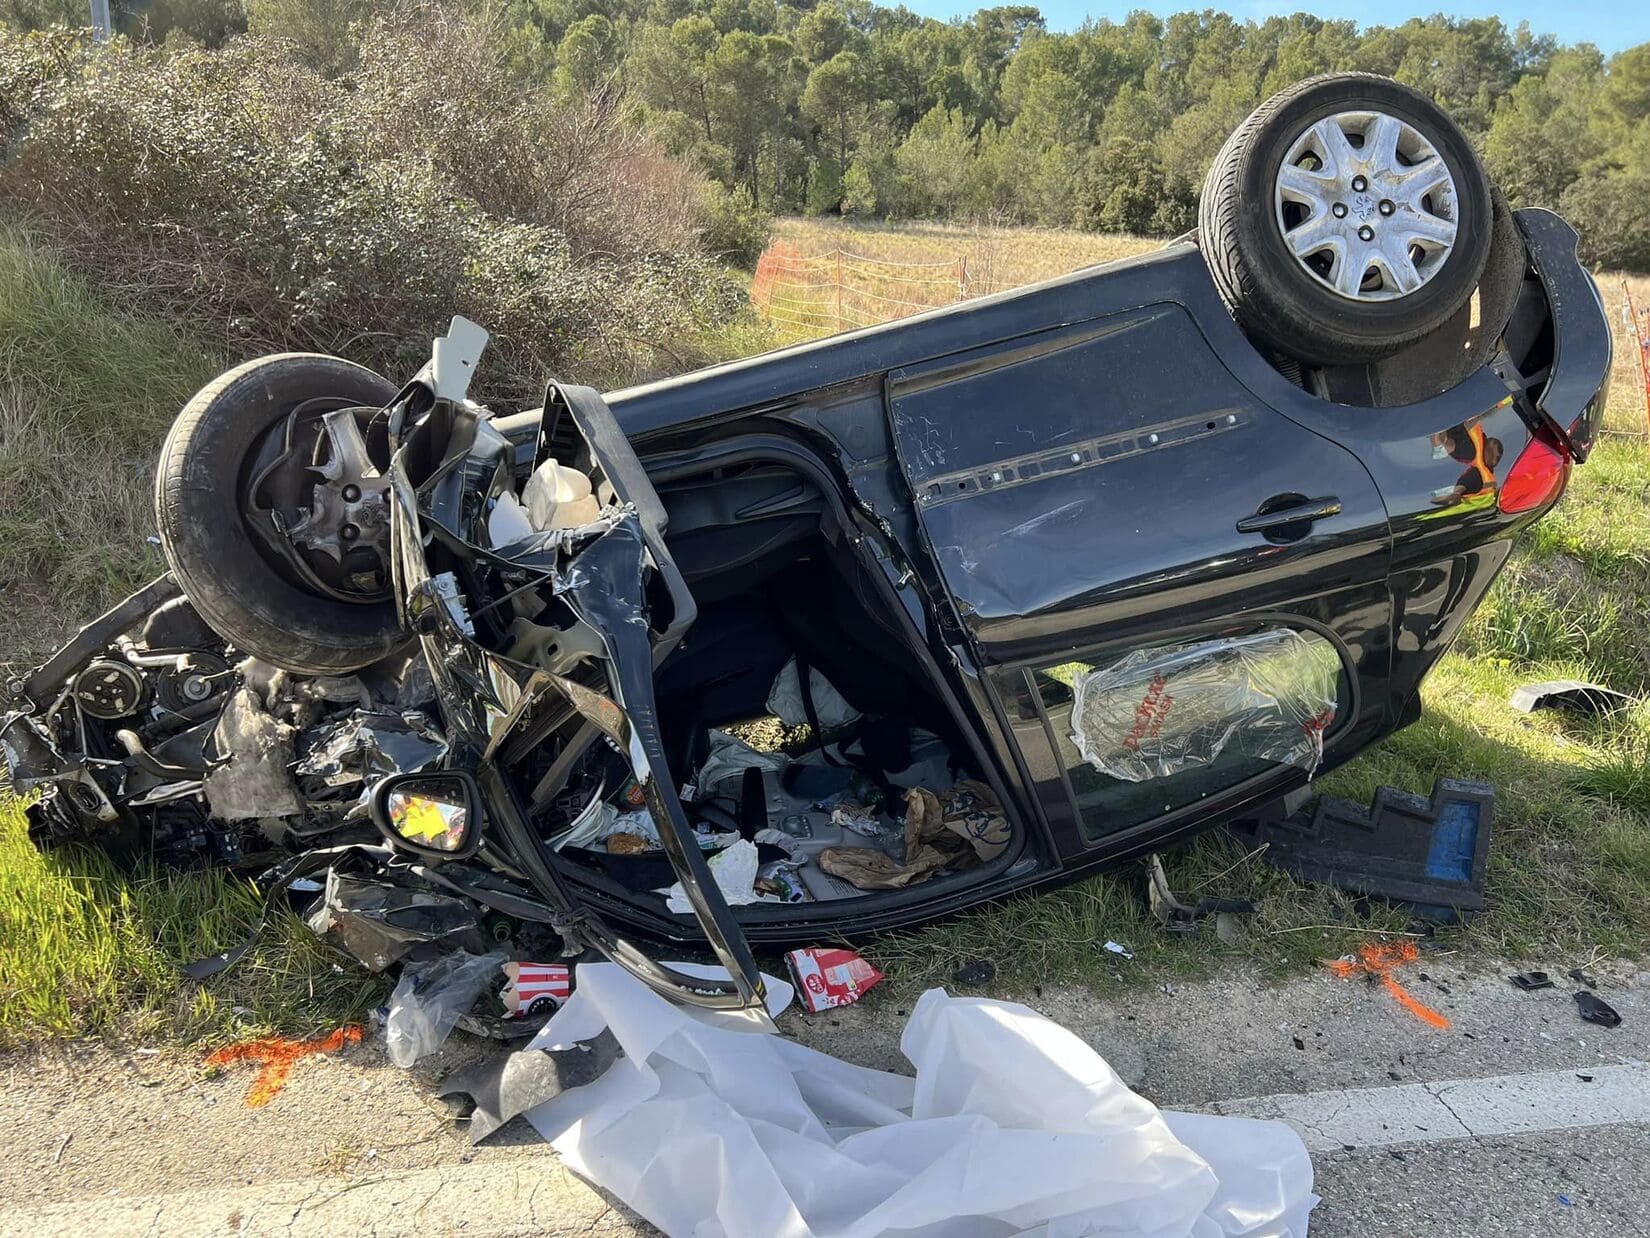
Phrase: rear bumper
[1578,382]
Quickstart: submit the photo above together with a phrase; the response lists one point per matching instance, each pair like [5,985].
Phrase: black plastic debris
[1581,977]
[1595,1009]
[1179,917]
[1571,695]
[381,921]
[508,1084]
[1428,853]
[976,971]
[1532,980]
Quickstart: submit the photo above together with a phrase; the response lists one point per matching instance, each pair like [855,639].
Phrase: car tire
[204,534]
[1398,211]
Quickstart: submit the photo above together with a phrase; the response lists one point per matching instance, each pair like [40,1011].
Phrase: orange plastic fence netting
[1377,960]
[838,291]
[1638,324]
[276,1055]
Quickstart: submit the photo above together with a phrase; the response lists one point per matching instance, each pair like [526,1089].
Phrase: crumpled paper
[956,829]
[1011,1125]
[734,869]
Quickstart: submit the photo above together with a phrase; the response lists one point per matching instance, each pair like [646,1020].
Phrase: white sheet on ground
[1012,1125]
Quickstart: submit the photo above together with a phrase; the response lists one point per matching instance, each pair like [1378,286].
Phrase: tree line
[852,107]
[845,106]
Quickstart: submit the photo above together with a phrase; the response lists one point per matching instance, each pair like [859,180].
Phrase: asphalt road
[1517,1119]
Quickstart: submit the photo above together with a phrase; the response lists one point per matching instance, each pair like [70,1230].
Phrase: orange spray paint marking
[1377,960]
[276,1054]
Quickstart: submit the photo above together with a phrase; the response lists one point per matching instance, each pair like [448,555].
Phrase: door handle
[1300,511]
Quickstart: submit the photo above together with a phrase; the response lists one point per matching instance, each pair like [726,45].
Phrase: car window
[1155,729]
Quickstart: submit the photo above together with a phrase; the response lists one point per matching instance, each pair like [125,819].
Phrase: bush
[824,187]
[1612,213]
[735,228]
[859,192]
[270,207]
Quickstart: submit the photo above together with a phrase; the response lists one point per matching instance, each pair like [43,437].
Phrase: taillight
[1538,475]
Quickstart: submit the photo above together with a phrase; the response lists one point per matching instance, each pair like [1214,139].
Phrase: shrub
[1612,213]
[859,192]
[270,207]
[735,228]
[824,187]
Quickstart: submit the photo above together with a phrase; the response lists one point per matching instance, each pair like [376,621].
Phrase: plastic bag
[1012,1124]
[428,999]
[1168,708]
[735,871]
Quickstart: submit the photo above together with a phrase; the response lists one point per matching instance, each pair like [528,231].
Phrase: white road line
[1549,1100]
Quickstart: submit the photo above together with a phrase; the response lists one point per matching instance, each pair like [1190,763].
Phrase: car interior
[781,589]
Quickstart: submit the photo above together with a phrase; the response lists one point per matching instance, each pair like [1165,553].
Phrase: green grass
[86,394]
[89,950]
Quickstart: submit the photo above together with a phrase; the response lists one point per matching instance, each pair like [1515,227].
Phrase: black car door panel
[1107,476]
[1087,490]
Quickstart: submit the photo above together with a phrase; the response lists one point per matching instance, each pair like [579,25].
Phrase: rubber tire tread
[1268,314]
[210,550]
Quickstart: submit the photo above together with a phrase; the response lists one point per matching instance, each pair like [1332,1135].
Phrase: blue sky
[1611,24]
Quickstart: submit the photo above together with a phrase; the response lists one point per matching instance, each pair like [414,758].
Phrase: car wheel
[1345,219]
[272,512]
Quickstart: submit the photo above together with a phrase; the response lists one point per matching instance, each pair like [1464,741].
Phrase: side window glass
[1163,726]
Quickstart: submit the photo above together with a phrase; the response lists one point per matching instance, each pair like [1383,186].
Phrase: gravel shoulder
[98,1134]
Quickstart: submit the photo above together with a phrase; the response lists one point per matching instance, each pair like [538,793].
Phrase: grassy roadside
[86,391]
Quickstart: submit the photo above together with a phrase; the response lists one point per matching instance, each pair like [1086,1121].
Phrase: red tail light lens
[1538,476]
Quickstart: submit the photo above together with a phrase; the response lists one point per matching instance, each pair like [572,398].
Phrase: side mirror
[435,814]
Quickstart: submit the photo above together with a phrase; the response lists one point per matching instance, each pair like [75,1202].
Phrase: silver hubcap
[1367,206]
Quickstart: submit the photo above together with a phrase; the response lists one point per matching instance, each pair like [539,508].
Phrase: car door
[1107,491]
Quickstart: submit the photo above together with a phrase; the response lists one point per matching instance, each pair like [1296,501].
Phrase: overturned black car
[1051,577]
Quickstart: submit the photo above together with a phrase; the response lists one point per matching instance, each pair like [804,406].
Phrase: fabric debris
[729,756]
[275,1056]
[704,1126]
[255,780]
[785,700]
[599,822]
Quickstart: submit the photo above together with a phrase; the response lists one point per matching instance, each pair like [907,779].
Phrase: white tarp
[1012,1125]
